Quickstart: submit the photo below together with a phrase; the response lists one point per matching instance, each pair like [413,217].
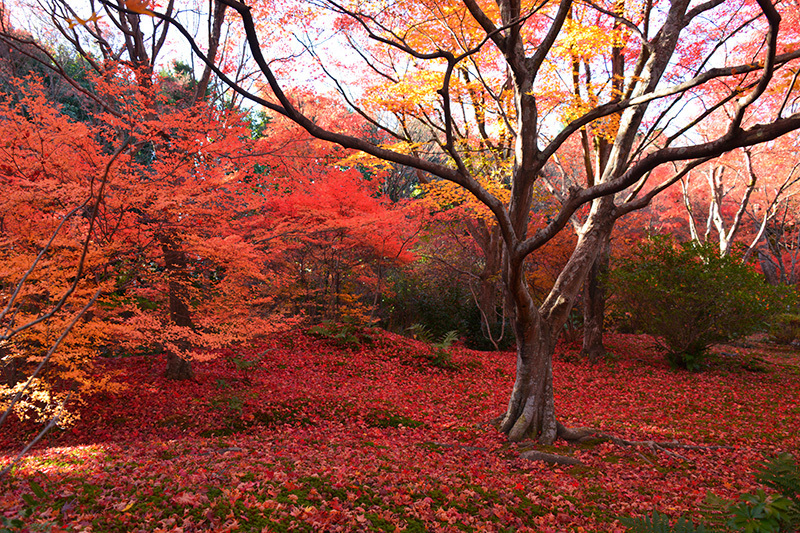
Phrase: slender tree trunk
[215,30]
[175,262]
[594,305]
[487,237]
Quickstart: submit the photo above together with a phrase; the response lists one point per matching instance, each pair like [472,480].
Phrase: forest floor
[299,434]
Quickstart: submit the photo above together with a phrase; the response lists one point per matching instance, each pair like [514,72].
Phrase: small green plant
[439,356]
[782,474]
[421,333]
[243,364]
[33,502]
[387,419]
[346,335]
[760,513]
[689,297]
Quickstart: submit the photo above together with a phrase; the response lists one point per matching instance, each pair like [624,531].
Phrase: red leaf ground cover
[299,434]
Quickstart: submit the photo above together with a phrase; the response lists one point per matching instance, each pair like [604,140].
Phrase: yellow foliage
[447,195]
[586,42]
[414,92]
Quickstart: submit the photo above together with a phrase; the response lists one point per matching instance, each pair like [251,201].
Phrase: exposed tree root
[584,434]
[552,458]
[666,447]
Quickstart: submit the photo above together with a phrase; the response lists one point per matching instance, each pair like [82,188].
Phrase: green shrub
[785,328]
[689,297]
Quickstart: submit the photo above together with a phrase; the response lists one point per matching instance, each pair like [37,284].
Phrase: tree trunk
[178,368]
[768,267]
[531,408]
[594,305]
[217,18]
[487,237]
[11,372]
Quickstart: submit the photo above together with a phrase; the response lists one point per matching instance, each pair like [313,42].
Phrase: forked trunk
[531,409]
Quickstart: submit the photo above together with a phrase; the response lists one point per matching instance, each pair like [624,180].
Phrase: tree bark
[11,373]
[215,30]
[531,410]
[175,263]
[594,305]
[487,237]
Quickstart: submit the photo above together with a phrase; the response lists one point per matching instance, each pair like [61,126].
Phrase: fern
[781,474]
[440,355]
[447,341]
[421,333]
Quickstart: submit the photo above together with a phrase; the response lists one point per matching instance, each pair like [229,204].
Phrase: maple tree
[174,275]
[671,57]
[101,41]
[335,236]
[67,231]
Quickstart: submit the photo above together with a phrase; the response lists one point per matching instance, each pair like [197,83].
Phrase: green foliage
[387,419]
[344,334]
[33,504]
[782,474]
[690,298]
[659,523]
[242,363]
[440,356]
[442,304]
[760,513]
[421,333]
[785,328]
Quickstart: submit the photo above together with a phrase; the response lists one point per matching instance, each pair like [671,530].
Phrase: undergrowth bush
[442,304]
[343,334]
[439,356]
[785,328]
[660,523]
[689,297]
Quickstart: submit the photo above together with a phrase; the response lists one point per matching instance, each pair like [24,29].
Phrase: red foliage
[300,433]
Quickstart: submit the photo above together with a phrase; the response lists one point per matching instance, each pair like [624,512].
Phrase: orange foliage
[245,232]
